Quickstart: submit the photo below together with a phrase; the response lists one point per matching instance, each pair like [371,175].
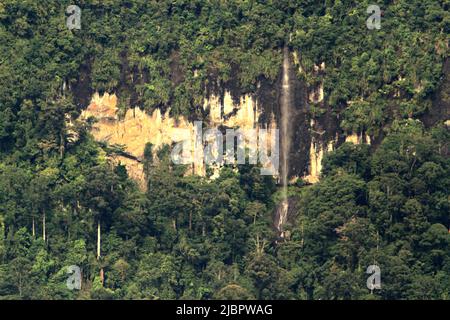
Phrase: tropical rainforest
[191,237]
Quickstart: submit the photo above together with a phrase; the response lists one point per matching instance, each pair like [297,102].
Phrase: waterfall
[285,108]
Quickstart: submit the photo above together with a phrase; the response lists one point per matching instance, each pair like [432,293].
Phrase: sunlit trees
[64,202]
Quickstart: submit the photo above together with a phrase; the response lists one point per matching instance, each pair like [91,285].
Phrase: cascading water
[285,108]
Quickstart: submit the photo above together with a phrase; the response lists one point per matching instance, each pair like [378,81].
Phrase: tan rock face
[316,95]
[134,131]
[135,169]
[245,117]
[103,107]
[137,128]
[318,150]
[316,154]
[357,139]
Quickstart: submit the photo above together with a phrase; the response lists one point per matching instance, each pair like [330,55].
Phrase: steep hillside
[90,118]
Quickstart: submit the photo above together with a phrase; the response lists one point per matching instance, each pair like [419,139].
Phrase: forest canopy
[189,237]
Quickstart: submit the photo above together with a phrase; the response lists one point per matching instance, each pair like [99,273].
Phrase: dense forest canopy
[187,237]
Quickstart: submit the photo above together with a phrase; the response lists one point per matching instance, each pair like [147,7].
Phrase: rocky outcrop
[312,131]
[137,128]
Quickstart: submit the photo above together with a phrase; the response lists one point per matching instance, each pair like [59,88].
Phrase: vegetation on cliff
[187,236]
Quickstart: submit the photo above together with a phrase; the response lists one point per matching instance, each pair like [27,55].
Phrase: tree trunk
[190,221]
[33,229]
[61,147]
[43,226]
[98,240]
[174,224]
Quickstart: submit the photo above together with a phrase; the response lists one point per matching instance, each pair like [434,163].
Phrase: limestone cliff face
[137,128]
[310,136]
[323,133]
[317,151]
[243,115]
[319,148]
[358,138]
[133,131]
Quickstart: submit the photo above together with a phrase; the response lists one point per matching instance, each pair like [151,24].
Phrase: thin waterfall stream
[285,108]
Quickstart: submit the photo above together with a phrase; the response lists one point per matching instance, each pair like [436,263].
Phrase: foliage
[190,237]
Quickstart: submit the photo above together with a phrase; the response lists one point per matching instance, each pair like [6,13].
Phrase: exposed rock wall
[137,128]
[312,133]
